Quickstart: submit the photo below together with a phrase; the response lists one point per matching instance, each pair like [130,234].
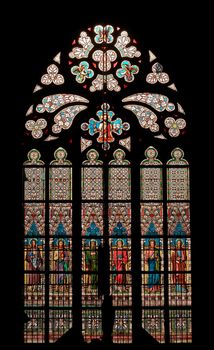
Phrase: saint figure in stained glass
[120,253]
[153,259]
[91,254]
[34,263]
[61,262]
[179,259]
[91,262]
[120,259]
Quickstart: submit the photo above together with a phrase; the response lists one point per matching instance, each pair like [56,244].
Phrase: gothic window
[106,195]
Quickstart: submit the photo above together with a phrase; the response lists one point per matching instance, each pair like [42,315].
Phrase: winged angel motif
[105,59]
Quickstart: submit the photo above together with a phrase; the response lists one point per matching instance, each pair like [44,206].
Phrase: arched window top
[92,158]
[60,156]
[151,157]
[177,157]
[119,158]
[105,60]
[33,158]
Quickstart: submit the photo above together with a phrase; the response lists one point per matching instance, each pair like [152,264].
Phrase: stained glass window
[34,184]
[92,233]
[60,176]
[179,246]
[178,176]
[48,246]
[119,177]
[106,208]
[152,245]
[119,219]
[92,176]
[151,176]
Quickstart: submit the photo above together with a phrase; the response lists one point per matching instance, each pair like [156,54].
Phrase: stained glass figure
[120,253]
[180,322]
[34,254]
[151,176]
[179,263]
[105,126]
[90,258]
[92,231]
[34,257]
[60,258]
[120,264]
[92,176]
[179,253]
[60,175]
[152,262]
[90,261]
[152,246]
[60,252]
[179,248]
[34,182]
[119,177]
[153,323]
[34,329]
[178,177]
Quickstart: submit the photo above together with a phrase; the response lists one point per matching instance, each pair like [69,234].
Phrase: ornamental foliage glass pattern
[106,196]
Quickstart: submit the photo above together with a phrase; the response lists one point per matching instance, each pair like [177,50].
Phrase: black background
[33,34]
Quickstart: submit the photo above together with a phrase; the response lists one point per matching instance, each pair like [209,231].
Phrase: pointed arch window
[106,196]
